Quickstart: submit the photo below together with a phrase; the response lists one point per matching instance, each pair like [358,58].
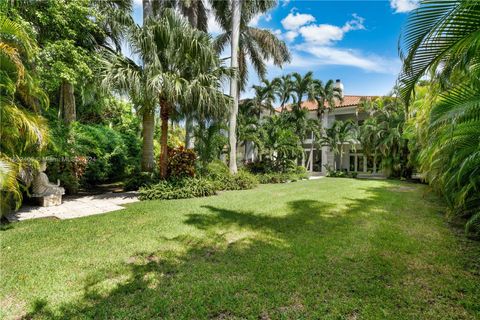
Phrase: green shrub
[341,174]
[219,174]
[140,179]
[216,170]
[274,178]
[178,189]
[109,155]
[245,180]
[301,172]
[265,165]
[296,174]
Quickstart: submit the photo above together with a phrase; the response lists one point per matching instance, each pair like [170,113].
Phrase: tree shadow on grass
[314,261]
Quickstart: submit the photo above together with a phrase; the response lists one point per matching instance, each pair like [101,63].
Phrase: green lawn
[329,249]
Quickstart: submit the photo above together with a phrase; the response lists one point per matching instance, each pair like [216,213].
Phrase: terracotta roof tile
[348,101]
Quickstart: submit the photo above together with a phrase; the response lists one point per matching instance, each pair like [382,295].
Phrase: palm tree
[196,13]
[209,141]
[23,133]
[281,143]
[302,87]
[326,96]
[264,97]
[180,70]
[283,89]
[337,136]
[259,45]
[369,136]
[234,92]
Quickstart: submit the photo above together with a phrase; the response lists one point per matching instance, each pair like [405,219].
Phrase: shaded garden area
[330,248]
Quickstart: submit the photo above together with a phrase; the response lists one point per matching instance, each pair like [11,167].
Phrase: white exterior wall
[327,157]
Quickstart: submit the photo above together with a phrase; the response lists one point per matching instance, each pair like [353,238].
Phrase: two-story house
[315,158]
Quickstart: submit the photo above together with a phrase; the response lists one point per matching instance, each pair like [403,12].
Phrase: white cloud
[324,55]
[256,19]
[295,20]
[326,34]
[355,24]
[321,34]
[401,6]
[291,35]
[285,3]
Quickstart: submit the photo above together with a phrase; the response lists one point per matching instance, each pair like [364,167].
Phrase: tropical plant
[209,141]
[264,97]
[368,135]
[283,88]
[383,133]
[326,96]
[23,132]
[302,87]
[281,143]
[246,41]
[69,34]
[337,136]
[180,70]
[442,39]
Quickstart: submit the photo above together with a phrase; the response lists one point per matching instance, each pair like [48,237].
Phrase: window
[352,163]
[360,163]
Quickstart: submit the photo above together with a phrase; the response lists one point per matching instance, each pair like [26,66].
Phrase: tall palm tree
[234,91]
[23,132]
[264,97]
[302,87]
[326,96]
[284,89]
[246,42]
[196,13]
[337,136]
[180,70]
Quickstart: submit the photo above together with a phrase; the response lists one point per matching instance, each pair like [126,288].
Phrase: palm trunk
[148,127]
[311,151]
[189,132]
[375,162]
[246,152]
[164,116]
[67,102]
[341,156]
[147,9]
[232,123]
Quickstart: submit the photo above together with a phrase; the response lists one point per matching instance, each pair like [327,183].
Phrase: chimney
[339,85]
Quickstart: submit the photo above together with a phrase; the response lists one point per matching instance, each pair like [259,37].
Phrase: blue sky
[355,40]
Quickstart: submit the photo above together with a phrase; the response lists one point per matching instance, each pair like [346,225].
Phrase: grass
[329,249]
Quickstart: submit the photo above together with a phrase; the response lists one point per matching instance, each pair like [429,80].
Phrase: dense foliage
[23,132]
[107,155]
[220,175]
[178,189]
[442,39]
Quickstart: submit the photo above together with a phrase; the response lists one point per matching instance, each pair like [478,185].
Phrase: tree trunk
[375,162]
[164,116]
[232,123]
[189,132]
[311,151]
[147,9]
[67,102]
[341,156]
[148,128]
